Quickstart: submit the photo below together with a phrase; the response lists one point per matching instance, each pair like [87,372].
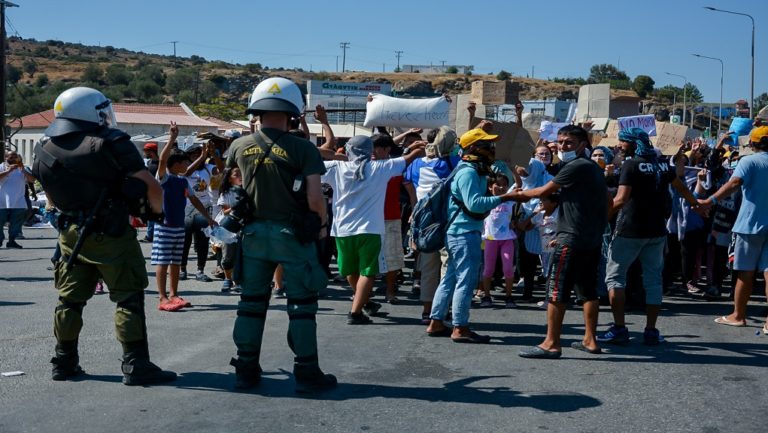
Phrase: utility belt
[111,221]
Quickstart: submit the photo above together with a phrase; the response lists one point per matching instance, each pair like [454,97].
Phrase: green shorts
[358,254]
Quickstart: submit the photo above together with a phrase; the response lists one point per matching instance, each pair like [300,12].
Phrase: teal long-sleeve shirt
[470,188]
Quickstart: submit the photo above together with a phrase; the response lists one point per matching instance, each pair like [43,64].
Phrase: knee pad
[254,306]
[302,308]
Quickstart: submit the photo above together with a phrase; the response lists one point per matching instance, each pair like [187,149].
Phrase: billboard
[339,95]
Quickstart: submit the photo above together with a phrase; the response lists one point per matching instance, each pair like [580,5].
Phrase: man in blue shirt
[751,227]
[470,205]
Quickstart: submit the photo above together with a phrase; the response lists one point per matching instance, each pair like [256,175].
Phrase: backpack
[430,216]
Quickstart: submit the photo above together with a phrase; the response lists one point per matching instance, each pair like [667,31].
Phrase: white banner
[646,122]
[407,113]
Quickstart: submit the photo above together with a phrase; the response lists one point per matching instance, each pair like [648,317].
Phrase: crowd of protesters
[619,225]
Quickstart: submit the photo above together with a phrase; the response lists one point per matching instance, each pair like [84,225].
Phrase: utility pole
[443,63]
[3,5]
[174,48]
[398,54]
[344,46]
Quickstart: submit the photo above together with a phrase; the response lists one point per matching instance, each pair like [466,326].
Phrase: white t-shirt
[12,189]
[496,224]
[359,205]
[199,183]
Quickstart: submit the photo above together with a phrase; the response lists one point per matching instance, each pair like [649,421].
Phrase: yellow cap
[474,135]
[758,134]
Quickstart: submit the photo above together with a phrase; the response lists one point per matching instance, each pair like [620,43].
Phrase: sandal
[724,320]
[578,345]
[445,332]
[473,337]
[181,301]
[169,306]
[537,352]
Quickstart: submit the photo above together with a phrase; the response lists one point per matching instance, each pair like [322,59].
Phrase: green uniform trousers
[120,262]
[265,245]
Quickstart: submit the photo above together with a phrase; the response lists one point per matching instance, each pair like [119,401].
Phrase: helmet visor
[107,114]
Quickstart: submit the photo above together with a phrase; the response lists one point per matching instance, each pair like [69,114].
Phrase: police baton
[82,231]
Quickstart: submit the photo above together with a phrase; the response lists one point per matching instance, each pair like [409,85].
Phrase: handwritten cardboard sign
[548,130]
[668,137]
[515,145]
[645,122]
[495,92]
[407,113]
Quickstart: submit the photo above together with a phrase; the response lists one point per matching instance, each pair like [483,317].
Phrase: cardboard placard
[407,113]
[495,92]
[612,130]
[515,145]
[668,137]
[594,101]
[646,122]
[548,130]
[744,147]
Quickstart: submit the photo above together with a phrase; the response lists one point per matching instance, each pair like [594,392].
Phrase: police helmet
[276,94]
[80,109]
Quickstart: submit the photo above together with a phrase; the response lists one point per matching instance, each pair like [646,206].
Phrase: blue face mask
[734,164]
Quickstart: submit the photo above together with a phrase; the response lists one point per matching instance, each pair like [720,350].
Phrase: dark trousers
[528,264]
[194,230]
[689,249]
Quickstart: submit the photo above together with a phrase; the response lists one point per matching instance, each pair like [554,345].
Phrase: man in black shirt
[642,202]
[580,226]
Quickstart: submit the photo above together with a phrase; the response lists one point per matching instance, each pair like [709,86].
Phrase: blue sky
[555,38]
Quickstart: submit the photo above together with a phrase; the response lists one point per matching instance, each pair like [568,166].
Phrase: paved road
[706,378]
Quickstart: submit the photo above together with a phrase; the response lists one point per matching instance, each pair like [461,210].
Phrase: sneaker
[691,287]
[416,289]
[652,337]
[425,319]
[200,276]
[279,292]
[510,303]
[615,335]
[237,289]
[182,274]
[358,319]
[486,302]
[712,292]
[13,244]
[226,286]
[372,308]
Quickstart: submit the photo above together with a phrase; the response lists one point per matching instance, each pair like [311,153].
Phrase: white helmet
[81,109]
[276,94]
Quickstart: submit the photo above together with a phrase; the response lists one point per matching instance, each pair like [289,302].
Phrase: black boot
[310,379]
[138,370]
[247,373]
[66,362]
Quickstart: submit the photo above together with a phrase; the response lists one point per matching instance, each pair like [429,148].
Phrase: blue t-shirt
[753,215]
[423,173]
[175,192]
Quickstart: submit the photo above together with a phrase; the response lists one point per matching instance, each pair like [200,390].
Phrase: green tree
[145,89]
[182,79]
[30,67]
[668,93]
[12,73]
[221,109]
[503,75]
[693,94]
[152,72]
[643,85]
[760,102]
[116,74]
[451,70]
[605,73]
[42,80]
[253,68]
[92,73]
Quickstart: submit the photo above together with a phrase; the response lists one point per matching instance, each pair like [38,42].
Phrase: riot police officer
[281,174]
[88,168]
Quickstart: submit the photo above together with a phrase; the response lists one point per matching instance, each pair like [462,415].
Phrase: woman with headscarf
[534,176]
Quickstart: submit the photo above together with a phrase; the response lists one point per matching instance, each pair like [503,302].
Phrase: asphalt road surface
[392,378]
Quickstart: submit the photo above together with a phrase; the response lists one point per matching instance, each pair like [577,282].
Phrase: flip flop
[445,332]
[473,337]
[537,352]
[578,345]
[723,320]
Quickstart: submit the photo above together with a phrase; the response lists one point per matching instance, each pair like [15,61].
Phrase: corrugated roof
[150,114]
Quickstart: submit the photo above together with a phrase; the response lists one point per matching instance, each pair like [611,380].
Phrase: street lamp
[684,90]
[719,111]
[752,86]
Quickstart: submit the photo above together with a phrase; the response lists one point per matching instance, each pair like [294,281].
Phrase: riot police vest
[74,169]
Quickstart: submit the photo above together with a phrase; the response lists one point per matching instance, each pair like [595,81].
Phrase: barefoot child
[168,240]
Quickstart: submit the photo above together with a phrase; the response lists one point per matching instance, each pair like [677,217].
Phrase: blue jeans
[624,251]
[15,217]
[460,278]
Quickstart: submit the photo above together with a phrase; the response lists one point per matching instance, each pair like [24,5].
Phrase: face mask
[734,164]
[566,156]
